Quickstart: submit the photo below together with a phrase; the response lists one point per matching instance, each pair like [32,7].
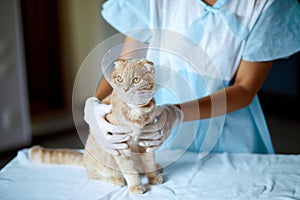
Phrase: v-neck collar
[218,4]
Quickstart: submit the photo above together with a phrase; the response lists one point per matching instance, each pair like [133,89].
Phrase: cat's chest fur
[131,116]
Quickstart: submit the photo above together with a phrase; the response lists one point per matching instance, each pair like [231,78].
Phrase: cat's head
[133,76]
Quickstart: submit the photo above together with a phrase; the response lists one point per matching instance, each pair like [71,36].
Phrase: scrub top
[228,31]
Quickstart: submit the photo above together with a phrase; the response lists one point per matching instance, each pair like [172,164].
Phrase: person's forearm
[103,90]
[248,80]
[218,103]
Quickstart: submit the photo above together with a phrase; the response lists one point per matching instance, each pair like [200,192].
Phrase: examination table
[216,177]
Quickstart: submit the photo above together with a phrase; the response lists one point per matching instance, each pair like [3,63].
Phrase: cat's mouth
[141,92]
[138,98]
[138,92]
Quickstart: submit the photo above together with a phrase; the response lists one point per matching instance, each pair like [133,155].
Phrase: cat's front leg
[150,167]
[131,175]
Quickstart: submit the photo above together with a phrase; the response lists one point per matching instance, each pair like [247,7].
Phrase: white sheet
[217,177]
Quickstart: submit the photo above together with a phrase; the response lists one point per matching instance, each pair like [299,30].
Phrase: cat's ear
[149,66]
[118,62]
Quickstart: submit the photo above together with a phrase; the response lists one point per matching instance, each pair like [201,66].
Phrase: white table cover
[217,177]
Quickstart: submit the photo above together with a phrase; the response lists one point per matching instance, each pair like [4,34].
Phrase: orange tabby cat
[132,79]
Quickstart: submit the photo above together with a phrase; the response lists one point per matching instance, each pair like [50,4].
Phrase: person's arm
[104,89]
[247,82]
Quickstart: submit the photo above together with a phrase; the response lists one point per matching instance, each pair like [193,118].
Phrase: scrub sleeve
[276,33]
[128,15]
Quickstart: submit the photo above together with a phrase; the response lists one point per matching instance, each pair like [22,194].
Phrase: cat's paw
[158,179]
[137,189]
[117,181]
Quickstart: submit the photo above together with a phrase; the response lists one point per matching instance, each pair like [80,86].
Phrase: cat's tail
[56,156]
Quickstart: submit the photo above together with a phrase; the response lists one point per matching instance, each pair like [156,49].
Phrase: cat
[132,80]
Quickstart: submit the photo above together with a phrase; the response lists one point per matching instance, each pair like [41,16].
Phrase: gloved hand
[110,137]
[153,135]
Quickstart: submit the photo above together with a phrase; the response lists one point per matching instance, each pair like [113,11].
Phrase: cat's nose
[125,89]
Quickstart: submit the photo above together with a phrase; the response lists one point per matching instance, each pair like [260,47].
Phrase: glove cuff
[92,99]
[89,108]
[174,110]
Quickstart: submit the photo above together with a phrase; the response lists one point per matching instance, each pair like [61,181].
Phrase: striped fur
[56,156]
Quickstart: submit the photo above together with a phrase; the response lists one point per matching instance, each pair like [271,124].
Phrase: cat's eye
[136,80]
[119,78]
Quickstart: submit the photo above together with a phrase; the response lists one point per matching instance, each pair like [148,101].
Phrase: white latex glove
[153,135]
[110,137]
